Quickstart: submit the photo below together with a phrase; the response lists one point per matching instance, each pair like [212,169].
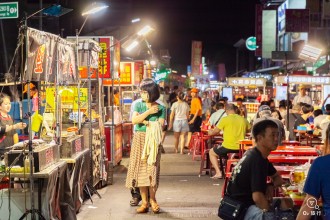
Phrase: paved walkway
[181,193]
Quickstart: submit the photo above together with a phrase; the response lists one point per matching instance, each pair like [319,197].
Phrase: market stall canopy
[240,81]
[324,69]
[304,79]
[44,50]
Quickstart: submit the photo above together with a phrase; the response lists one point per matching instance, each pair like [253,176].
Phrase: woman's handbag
[231,209]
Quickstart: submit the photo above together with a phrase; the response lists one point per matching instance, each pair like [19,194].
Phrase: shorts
[196,126]
[222,151]
[181,125]
[255,213]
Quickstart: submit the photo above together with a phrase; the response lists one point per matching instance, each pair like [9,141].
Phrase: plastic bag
[117,117]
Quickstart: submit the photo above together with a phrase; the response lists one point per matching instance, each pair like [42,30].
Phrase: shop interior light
[310,53]
[94,8]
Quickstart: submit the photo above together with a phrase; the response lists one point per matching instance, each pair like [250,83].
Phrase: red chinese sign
[196,57]
[104,58]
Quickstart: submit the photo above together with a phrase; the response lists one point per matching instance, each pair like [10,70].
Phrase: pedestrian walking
[143,171]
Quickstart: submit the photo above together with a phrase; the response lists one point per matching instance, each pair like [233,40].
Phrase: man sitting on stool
[234,128]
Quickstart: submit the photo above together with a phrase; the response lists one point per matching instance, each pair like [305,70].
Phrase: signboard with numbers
[8,10]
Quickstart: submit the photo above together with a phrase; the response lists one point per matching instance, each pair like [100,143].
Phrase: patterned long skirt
[139,172]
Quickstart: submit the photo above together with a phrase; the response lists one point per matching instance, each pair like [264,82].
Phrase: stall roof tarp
[49,58]
[307,80]
[240,81]
[325,68]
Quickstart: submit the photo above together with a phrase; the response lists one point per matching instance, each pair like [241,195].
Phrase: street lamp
[310,53]
[90,10]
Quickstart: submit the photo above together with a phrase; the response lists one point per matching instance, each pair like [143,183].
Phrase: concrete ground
[181,193]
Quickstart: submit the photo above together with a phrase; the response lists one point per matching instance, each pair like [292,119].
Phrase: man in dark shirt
[248,182]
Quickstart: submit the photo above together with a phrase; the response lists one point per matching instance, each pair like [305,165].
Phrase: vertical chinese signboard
[138,72]
[196,57]
[258,31]
[104,58]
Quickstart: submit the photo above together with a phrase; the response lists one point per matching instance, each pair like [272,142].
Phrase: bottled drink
[26,164]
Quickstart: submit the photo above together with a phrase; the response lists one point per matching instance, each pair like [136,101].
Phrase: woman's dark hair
[259,128]
[150,86]
[181,96]
[264,103]
[2,97]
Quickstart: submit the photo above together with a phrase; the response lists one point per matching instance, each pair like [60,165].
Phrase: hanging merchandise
[44,49]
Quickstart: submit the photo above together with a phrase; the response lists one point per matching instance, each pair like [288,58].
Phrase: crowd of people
[186,112]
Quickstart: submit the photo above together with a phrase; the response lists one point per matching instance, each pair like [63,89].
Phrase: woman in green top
[144,166]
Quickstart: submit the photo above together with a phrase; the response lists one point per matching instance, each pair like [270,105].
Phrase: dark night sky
[217,23]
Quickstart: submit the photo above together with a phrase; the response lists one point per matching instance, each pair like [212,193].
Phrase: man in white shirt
[302,96]
[216,116]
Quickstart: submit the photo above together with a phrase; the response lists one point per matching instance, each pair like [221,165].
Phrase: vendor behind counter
[8,134]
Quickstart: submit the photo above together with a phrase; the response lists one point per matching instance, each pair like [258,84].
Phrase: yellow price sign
[69,97]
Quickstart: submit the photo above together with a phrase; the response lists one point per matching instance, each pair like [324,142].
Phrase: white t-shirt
[305,99]
[180,109]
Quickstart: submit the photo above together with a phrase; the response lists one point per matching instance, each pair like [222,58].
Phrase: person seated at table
[317,185]
[234,129]
[248,181]
[241,107]
[216,116]
[318,118]
[307,111]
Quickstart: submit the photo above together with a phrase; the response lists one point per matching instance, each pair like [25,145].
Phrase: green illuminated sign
[8,10]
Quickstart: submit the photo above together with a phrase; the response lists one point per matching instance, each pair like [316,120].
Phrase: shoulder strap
[220,118]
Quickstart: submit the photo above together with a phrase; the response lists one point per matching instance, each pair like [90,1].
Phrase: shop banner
[297,20]
[138,72]
[69,98]
[196,57]
[239,81]
[268,33]
[126,76]
[43,52]
[306,80]
[258,30]
[104,58]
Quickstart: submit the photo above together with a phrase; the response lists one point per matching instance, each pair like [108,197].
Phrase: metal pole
[112,119]
[78,75]
[237,59]
[4,46]
[90,114]
[40,17]
[57,97]
[31,159]
[287,90]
